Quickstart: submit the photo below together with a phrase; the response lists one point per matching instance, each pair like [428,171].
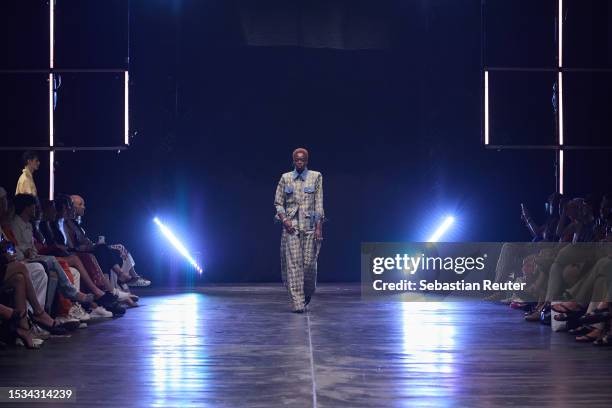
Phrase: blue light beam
[441,229]
[177,244]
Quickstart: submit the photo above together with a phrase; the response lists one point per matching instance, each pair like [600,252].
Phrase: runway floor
[239,346]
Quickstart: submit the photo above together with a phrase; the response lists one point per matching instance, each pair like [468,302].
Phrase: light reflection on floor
[428,343]
[179,349]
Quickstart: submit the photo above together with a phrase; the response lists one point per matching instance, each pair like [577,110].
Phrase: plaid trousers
[299,252]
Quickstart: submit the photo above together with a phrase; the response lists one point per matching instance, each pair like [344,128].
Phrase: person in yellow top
[25,184]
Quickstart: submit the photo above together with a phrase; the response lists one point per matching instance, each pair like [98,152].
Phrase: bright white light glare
[486,108]
[177,244]
[126,105]
[441,229]
[560,33]
[561,172]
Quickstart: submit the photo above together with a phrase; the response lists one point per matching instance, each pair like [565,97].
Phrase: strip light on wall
[126,104]
[560,40]
[560,80]
[561,182]
[560,109]
[486,108]
[51,33]
[51,98]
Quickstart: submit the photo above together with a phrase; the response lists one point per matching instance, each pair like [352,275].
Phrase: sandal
[561,308]
[25,340]
[592,318]
[22,335]
[605,341]
[589,338]
[533,316]
[580,330]
[565,314]
[55,329]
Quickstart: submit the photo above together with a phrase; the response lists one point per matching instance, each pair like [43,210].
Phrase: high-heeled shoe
[27,342]
[603,341]
[55,329]
[565,314]
[22,335]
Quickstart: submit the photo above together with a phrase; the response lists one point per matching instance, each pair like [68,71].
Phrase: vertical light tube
[51,175]
[560,108]
[560,81]
[51,33]
[561,181]
[560,34]
[126,105]
[51,132]
[51,139]
[486,108]
[51,98]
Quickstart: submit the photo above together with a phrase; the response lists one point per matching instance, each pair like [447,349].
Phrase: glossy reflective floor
[238,346]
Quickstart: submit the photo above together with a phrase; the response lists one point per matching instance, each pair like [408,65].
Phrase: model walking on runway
[299,207]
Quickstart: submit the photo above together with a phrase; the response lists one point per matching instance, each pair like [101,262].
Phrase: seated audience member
[22,231]
[128,274]
[51,242]
[64,238]
[603,228]
[570,220]
[585,280]
[14,326]
[514,254]
[16,276]
[547,231]
[43,285]
[572,262]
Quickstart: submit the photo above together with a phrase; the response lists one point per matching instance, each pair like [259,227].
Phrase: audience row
[567,269]
[53,277]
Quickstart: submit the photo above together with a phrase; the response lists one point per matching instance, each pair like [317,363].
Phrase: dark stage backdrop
[393,124]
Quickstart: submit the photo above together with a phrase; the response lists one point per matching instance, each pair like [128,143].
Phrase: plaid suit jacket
[299,197]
